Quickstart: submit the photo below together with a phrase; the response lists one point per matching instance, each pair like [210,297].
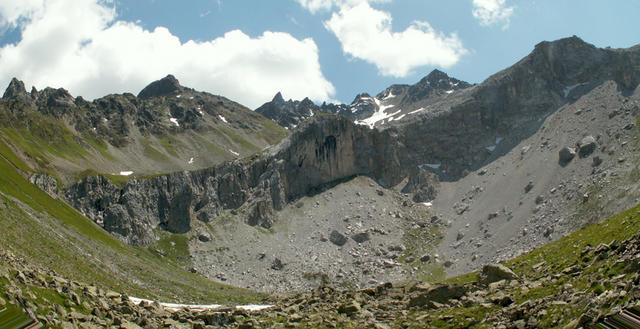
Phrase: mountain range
[175,193]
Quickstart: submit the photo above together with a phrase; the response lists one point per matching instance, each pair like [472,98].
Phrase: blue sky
[247,50]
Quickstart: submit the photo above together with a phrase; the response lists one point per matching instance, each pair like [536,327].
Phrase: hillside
[580,280]
[46,232]
[166,128]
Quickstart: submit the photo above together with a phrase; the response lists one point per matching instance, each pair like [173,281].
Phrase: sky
[248,50]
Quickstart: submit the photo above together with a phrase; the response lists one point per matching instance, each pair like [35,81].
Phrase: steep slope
[47,232]
[167,127]
[529,196]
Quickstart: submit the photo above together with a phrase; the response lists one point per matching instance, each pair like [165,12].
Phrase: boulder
[337,238]
[495,272]
[349,308]
[586,146]
[204,237]
[566,154]
[439,294]
[361,237]
[277,264]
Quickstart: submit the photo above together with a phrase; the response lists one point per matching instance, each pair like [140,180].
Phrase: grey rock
[495,272]
[337,238]
[277,264]
[586,146]
[597,161]
[422,184]
[204,237]
[528,187]
[440,294]
[361,237]
[566,154]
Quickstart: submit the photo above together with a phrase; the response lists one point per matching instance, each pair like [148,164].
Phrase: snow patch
[491,148]
[234,152]
[199,308]
[418,110]
[391,95]
[379,115]
[253,307]
[448,91]
[428,204]
[222,118]
[174,121]
[126,173]
[498,140]
[178,96]
[435,166]
[105,119]
[191,161]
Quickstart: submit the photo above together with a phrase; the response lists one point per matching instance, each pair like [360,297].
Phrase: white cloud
[316,5]
[490,12]
[365,33]
[12,11]
[79,45]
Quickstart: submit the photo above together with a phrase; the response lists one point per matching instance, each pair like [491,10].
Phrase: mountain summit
[163,87]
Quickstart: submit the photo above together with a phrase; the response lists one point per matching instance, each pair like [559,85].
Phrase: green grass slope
[48,232]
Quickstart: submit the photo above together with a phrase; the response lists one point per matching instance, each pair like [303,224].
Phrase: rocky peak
[435,83]
[165,86]
[16,90]
[306,102]
[361,98]
[53,97]
[440,80]
[278,98]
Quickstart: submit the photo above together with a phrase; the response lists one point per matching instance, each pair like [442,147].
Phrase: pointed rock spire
[16,90]
[278,98]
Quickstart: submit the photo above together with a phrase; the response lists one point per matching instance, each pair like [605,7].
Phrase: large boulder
[439,294]
[586,146]
[494,273]
[566,154]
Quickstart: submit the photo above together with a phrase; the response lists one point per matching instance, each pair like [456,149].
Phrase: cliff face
[451,129]
[326,150]
[467,128]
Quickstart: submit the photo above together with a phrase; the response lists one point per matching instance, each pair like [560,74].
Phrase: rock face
[329,149]
[466,131]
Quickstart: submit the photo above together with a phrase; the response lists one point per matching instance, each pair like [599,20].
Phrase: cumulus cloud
[365,33]
[490,12]
[317,5]
[79,45]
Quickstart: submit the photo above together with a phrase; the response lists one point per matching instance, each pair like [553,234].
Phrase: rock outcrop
[464,132]
[328,149]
